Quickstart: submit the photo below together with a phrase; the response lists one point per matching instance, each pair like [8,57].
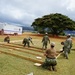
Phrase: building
[10,29]
[70,32]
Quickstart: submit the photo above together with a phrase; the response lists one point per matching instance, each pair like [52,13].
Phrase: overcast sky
[24,12]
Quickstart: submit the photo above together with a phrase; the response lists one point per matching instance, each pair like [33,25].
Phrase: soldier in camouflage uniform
[50,61]
[7,39]
[67,46]
[70,43]
[26,41]
[45,41]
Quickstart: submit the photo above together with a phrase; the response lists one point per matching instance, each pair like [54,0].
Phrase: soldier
[26,41]
[67,46]
[70,42]
[50,61]
[7,39]
[45,41]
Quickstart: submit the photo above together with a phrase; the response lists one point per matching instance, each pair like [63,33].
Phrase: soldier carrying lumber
[7,39]
[26,41]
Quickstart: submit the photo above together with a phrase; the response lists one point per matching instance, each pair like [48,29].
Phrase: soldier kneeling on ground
[7,39]
[50,61]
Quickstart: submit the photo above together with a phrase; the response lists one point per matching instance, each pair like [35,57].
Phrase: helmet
[52,43]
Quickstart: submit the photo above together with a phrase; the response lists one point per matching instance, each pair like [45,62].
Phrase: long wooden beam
[41,51]
[30,46]
[22,57]
[13,48]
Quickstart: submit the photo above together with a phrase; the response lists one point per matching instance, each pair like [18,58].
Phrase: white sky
[25,11]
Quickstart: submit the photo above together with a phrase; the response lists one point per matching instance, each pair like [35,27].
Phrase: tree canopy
[53,23]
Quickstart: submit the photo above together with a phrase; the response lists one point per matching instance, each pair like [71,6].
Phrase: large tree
[54,23]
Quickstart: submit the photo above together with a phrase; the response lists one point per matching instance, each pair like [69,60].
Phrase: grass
[10,65]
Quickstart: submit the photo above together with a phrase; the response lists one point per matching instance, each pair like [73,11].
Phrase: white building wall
[1,26]
[11,29]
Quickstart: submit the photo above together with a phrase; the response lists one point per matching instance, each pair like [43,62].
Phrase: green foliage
[56,23]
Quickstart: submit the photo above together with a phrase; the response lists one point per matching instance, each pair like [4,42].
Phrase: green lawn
[11,65]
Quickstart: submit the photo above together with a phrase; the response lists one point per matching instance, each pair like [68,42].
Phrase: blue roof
[70,32]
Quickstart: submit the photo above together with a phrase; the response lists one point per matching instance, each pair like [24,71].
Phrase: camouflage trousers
[26,43]
[66,53]
[44,45]
[49,62]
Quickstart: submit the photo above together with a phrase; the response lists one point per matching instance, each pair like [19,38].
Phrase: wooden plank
[41,51]
[13,48]
[22,57]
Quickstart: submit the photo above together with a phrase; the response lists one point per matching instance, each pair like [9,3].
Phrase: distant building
[10,29]
[69,32]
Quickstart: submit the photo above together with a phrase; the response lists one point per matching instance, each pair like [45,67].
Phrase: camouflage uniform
[26,41]
[67,46]
[50,61]
[45,41]
[70,46]
[7,39]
